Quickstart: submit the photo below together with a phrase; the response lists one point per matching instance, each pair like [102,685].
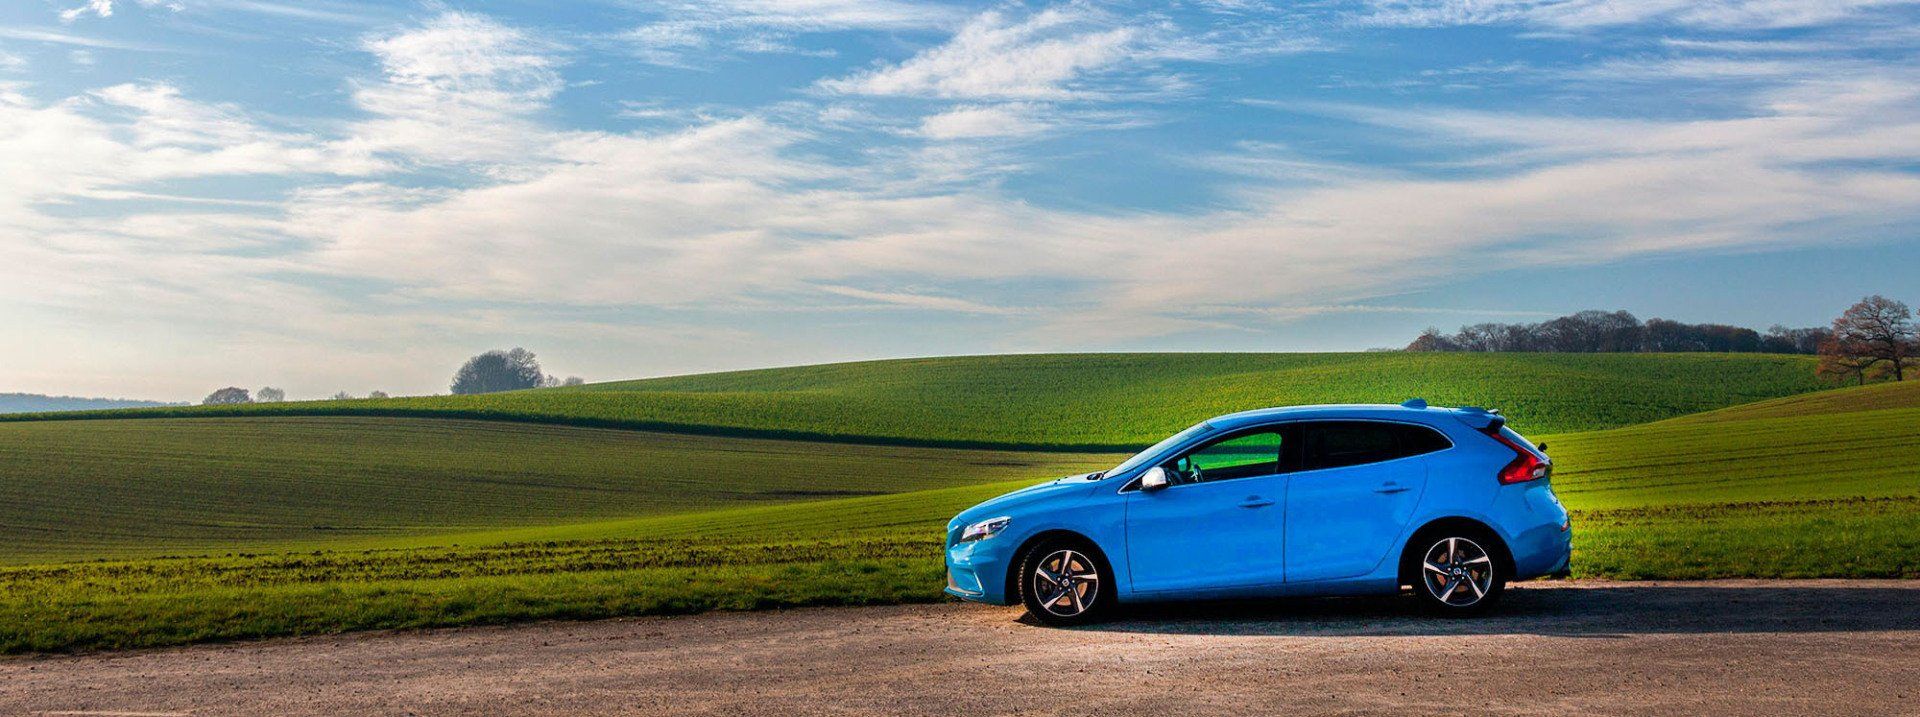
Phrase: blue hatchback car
[1307,500]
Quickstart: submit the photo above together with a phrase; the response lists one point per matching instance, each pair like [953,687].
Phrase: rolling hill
[1100,401]
[305,524]
[1899,394]
[91,489]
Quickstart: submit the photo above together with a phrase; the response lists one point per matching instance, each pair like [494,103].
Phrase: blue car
[1298,501]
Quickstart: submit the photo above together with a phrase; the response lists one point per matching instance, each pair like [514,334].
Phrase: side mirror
[1543,446]
[1154,479]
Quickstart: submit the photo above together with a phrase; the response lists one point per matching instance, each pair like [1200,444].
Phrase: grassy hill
[1874,397]
[1104,401]
[1826,491]
[118,488]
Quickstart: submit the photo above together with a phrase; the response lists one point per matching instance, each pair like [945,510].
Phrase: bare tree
[227,396]
[342,396]
[1875,337]
[1433,340]
[269,394]
[499,371]
[377,394]
[574,381]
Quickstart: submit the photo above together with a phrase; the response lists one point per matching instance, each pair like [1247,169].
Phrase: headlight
[984,529]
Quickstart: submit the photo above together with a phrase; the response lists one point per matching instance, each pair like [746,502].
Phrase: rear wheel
[1457,575]
[1066,582]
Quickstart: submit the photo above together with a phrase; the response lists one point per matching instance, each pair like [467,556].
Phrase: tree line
[1595,331]
[489,372]
[1873,339]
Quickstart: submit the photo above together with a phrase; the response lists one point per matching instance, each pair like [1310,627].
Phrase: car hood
[1007,503]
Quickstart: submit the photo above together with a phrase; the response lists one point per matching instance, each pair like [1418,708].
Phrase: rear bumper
[1545,551]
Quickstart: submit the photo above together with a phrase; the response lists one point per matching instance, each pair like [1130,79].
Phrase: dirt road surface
[1718,648]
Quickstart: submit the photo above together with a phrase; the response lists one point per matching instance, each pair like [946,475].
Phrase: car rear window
[1338,444]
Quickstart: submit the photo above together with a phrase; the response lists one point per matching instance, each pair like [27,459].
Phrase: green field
[1105,401]
[300,525]
[122,488]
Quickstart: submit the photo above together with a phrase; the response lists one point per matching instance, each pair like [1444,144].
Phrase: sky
[332,195]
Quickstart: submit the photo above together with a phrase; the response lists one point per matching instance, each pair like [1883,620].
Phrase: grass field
[1104,401]
[299,525]
[1901,394]
[121,488]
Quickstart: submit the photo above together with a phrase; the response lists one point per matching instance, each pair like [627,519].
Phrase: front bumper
[977,571]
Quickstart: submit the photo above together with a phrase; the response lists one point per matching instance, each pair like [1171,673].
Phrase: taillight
[1526,464]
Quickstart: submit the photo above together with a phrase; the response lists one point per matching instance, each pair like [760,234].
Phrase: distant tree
[269,394]
[499,371]
[574,381]
[1432,340]
[343,396]
[227,396]
[1592,331]
[1784,340]
[1873,338]
[1617,331]
[377,394]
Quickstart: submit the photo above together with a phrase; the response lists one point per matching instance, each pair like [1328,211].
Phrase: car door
[1358,485]
[1219,524]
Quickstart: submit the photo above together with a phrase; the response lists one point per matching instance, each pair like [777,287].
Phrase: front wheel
[1458,576]
[1065,582]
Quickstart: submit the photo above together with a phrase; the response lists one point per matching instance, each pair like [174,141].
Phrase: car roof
[1415,412]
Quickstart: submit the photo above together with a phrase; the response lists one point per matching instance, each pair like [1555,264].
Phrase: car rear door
[1358,485]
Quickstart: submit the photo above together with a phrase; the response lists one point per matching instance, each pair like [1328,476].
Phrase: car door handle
[1254,501]
[1391,488]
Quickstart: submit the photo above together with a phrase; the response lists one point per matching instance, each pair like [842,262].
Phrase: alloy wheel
[1066,583]
[1457,572]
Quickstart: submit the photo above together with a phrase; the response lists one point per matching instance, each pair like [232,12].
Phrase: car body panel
[1239,549]
[1342,522]
[1341,538]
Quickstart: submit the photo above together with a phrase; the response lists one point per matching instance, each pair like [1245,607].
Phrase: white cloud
[36,34]
[98,8]
[1047,55]
[818,15]
[459,88]
[1010,119]
[1574,14]
[700,29]
[104,8]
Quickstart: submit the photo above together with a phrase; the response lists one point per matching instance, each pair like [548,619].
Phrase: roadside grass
[1095,401]
[102,489]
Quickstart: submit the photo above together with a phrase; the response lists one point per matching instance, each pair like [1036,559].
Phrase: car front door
[1358,485]
[1219,524]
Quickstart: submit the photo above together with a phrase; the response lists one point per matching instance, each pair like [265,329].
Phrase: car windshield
[1157,448]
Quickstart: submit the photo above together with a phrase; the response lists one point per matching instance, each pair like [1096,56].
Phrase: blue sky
[337,195]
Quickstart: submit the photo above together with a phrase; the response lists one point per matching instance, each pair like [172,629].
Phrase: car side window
[1338,444]
[1241,456]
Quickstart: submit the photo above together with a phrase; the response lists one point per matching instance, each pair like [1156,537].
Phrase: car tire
[1066,582]
[1456,571]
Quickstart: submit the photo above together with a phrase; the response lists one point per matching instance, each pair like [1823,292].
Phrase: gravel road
[1711,648]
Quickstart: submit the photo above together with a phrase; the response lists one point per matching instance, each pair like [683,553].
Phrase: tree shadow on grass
[1554,609]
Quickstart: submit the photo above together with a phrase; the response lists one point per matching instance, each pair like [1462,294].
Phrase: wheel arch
[1409,553]
[1019,556]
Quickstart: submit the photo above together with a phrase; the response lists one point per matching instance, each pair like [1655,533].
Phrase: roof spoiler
[1480,419]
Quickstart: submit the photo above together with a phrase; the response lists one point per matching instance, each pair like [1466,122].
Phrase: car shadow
[1555,609]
